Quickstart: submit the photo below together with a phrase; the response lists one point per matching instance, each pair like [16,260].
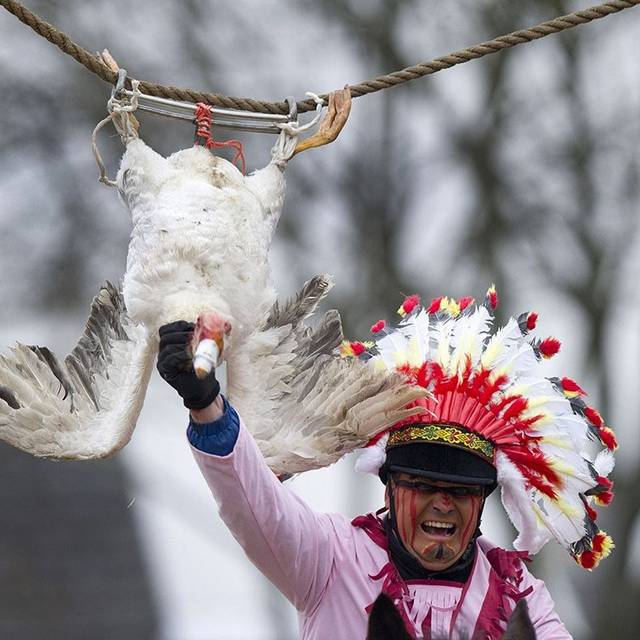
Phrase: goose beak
[208,343]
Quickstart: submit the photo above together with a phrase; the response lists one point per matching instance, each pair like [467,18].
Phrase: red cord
[203,135]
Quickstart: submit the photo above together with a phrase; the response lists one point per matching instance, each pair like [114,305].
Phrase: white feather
[604,463]
[502,341]
[517,503]
[468,336]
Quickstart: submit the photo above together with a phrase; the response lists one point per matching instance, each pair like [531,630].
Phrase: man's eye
[417,486]
[464,492]
[456,492]
[425,488]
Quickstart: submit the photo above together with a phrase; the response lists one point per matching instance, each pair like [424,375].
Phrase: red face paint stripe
[472,520]
[413,516]
[400,519]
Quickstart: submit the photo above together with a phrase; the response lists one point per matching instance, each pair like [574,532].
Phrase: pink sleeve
[542,611]
[291,544]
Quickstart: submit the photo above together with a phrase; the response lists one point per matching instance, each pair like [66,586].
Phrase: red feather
[378,326]
[499,406]
[492,297]
[604,498]
[608,438]
[410,303]
[598,539]
[587,559]
[516,408]
[410,372]
[594,417]
[422,375]
[538,483]
[591,512]
[524,424]
[572,388]
[434,307]
[479,381]
[466,374]
[492,388]
[534,461]
[605,482]
[549,347]
[358,348]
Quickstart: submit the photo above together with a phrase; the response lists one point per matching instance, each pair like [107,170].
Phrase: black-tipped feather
[303,305]
[91,355]
[47,356]
[7,395]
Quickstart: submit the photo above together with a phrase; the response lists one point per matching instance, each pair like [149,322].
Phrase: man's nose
[442,502]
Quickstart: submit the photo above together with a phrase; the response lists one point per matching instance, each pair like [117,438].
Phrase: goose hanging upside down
[198,252]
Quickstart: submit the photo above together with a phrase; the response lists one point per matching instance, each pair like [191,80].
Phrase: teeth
[437,525]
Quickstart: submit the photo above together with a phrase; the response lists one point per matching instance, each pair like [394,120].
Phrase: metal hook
[119,86]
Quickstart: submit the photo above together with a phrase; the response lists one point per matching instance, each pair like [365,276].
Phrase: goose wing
[306,405]
[86,405]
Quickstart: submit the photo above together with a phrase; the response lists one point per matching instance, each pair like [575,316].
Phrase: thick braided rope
[94,64]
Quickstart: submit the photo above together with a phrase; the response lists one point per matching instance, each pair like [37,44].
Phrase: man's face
[435,520]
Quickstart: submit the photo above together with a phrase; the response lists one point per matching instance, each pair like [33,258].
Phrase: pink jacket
[332,570]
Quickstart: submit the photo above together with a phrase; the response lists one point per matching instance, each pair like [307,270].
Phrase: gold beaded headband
[449,434]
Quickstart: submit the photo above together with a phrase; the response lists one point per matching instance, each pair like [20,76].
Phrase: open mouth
[438,529]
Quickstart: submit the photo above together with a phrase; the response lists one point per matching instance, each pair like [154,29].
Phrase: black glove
[175,365]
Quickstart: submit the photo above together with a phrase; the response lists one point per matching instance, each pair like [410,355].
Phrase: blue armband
[218,437]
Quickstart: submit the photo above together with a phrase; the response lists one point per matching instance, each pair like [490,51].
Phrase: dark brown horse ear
[385,623]
[520,626]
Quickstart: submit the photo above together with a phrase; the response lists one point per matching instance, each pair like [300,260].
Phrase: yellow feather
[562,468]
[538,514]
[346,350]
[400,358]
[537,401]
[567,509]
[544,420]
[380,365]
[607,545]
[443,353]
[557,441]
[490,355]
[414,357]
[452,307]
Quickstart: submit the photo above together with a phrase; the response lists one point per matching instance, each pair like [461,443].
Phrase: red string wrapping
[204,137]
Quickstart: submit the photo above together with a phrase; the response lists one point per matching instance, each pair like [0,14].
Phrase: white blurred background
[521,169]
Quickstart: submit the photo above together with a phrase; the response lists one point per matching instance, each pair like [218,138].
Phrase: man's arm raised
[291,544]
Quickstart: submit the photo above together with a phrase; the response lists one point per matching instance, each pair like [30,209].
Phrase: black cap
[439,462]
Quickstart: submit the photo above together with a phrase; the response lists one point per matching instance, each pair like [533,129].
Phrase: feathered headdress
[488,397]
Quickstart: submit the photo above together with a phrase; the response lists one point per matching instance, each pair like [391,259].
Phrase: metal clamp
[223,118]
